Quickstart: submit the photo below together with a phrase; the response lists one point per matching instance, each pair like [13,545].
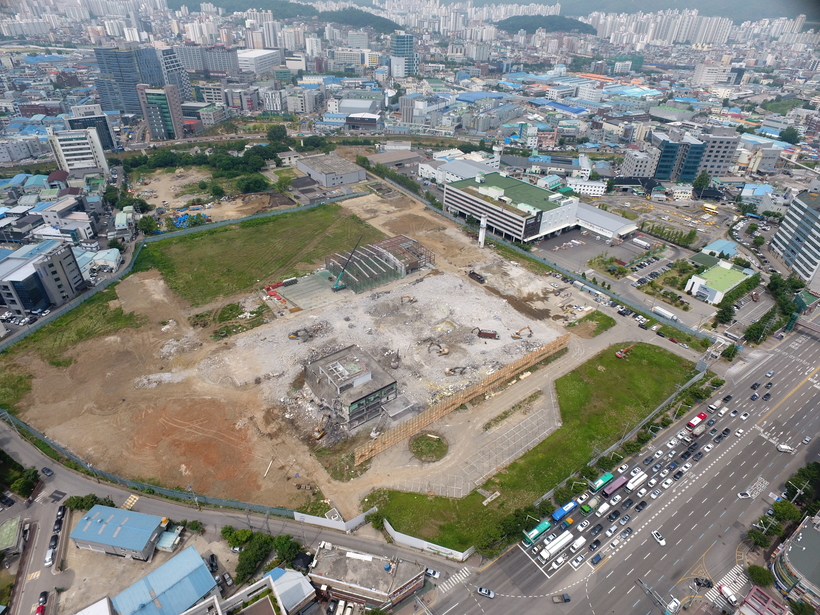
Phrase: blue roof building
[721,246]
[118,532]
[171,589]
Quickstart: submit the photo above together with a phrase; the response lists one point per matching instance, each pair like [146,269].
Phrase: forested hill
[550,23]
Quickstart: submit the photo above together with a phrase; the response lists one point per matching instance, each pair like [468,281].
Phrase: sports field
[219,262]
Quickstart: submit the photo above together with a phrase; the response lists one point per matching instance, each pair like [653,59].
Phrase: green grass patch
[316,506]
[782,107]
[599,400]
[603,321]
[13,386]
[229,312]
[497,420]
[690,340]
[629,215]
[93,318]
[428,446]
[220,262]
[6,585]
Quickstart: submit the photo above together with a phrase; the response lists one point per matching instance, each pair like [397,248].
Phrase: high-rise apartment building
[209,61]
[711,74]
[120,72]
[77,149]
[798,238]
[313,46]
[720,150]
[162,110]
[358,39]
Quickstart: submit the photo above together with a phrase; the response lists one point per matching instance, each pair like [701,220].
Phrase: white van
[722,412]
[579,542]
[49,558]
[785,448]
[557,563]
[602,509]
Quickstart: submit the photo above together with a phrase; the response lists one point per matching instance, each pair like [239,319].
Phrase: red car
[40,610]
[673,340]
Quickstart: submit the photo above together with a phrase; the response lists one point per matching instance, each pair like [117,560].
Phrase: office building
[796,566]
[711,74]
[680,156]
[209,61]
[174,73]
[358,39]
[798,238]
[404,61]
[92,116]
[720,150]
[39,275]
[162,110]
[120,72]
[640,164]
[77,149]
[258,61]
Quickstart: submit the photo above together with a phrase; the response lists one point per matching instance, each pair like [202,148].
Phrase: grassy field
[599,400]
[603,321]
[220,262]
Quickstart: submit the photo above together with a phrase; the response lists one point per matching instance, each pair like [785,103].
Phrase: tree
[148,225]
[277,133]
[375,519]
[758,538]
[170,224]
[116,244]
[730,352]
[758,241]
[286,548]
[725,313]
[760,576]
[217,191]
[111,196]
[701,181]
[801,608]
[752,228]
[610,185]
[786,511]
[252,183]
[594,176]
[202,185]
[239,537]
[283,184]
[790,135]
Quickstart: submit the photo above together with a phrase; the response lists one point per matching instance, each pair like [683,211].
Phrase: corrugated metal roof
[171,589]
[125,529]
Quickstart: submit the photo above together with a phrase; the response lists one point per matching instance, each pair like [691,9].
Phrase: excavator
[442,350]
[517,334]
[300,334]
[409,299]
[319,432]
[623,353]
[452,371]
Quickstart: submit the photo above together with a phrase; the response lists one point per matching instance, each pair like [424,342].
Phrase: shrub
[87,502]
[375,519]
[760,576]
[258,548]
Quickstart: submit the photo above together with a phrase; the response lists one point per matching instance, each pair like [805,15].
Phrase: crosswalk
[735,580]
[454,580]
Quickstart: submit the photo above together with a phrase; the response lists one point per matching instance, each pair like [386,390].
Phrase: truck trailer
[641,243]
[665,313]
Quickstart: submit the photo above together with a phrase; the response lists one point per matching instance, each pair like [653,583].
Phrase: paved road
[700,516]
[65,483]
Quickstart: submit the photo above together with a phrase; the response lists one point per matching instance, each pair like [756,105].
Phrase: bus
[696,421]
[535,534]
[564,511]
[636,482]
[615,486]
[596,486]
[710,209]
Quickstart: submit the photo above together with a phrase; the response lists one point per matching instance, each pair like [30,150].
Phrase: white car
[672,454]
[664,472]
[582,498]
[641,493]
[667,483]
[682,434]
[708,448]
[658,454]
[583,525]
[770,373]
[614,500]
[635,471]
[672,443]
[739,433]
[652,482]
[433,574]
[655,494]
[659,537]
[686,467]
[727,593]
[611,531]
[744,416]
[623,468]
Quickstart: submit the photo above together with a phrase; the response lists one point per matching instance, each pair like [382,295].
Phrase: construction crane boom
[337,285]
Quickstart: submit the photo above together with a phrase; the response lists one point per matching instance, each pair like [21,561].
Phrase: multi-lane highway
[701,517]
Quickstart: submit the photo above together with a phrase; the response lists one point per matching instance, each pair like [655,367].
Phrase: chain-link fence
[185,496]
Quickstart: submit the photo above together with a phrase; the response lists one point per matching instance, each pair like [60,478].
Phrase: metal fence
[64,309]
[185,496]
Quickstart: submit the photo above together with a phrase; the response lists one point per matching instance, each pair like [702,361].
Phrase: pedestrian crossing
[454,580]
[735,580]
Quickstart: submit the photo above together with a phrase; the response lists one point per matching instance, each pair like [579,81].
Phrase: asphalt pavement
[701,517]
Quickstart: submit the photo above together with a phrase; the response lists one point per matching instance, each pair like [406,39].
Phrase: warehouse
[330,170]
[118,532]
[395,158]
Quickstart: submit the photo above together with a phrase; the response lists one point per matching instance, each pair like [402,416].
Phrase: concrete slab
[312,291]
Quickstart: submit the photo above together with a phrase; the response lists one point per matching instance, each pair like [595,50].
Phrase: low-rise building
[587,187]
[372,580]
[116,531]
[713,284]
[330,170]
[796,566]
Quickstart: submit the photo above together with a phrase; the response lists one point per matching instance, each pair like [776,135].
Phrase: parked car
[228,579]
[52,544]
[58,526]
[433,574]
[212,563]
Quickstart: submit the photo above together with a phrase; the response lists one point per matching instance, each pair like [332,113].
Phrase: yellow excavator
[517,334]
[409,299]
[442,350]
[319,432]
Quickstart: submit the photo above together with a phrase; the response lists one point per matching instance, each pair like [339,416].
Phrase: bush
[375,519]
[631,447]
[760,576]
[666,421]
[258,548]
[87,502]
[589,473]
[286,548]
[758,538]
[546,508]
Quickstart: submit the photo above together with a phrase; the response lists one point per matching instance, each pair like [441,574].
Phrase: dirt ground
[167,403]
[167,185]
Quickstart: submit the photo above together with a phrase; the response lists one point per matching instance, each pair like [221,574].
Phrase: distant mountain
[281,9]
[550,23]
[360,19]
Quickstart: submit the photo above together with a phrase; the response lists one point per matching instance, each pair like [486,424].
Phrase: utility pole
[654,596]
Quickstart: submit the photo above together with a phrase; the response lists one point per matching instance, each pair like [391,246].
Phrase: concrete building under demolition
[352,383]
[378,263]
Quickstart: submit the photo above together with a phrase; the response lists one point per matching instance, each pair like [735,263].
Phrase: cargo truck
[699,430]
[590,505]
[641,243]
[560,599]
[715,406]
[555,547]
[566,523]
[665,313]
